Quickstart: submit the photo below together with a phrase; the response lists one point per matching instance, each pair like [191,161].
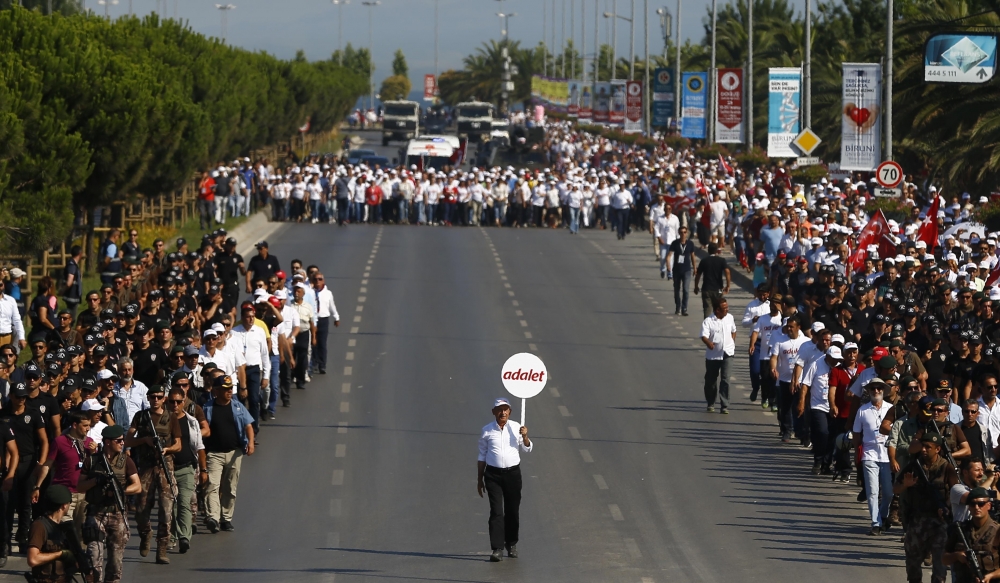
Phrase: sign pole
[523,402]
[888,80]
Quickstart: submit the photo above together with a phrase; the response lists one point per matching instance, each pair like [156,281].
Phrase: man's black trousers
[504,490]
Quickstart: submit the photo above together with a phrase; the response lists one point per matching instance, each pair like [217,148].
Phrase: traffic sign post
[889,174]
[524,376]
[806,141]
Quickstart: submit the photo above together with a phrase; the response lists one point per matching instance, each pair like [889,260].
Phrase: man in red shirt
[206,201]
[841,377]
[65,461]
[373,198]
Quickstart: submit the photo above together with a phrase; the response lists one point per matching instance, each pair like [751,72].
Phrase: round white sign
[524,375]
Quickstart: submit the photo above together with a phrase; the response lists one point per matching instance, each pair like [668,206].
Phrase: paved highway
[370,475]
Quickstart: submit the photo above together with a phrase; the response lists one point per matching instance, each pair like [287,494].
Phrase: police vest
[103,498]
[146,455]
[981,541]
[55,541]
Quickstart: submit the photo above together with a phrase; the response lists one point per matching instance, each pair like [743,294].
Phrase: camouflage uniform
[985,541]
[926,531]
[155,483]
[106,530]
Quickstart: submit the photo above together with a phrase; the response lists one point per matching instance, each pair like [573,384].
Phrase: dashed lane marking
[555,392]
[352,342]
[345,406]
[350,356]
[336,507]
[616,512]
[527,335]
[338,478]
[342,427]
[348,371]
[354,329]
[345,388]
[601,484]
[585,454]
[564,411]
[340,450]
[574,432]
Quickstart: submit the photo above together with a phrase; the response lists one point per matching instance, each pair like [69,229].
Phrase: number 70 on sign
[889,174]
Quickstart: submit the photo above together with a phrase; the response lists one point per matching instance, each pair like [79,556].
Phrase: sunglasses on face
[967,412]
[979,503]
[175,402]
[991,387]
[157,397]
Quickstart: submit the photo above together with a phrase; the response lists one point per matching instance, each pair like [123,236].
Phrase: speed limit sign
[889,174]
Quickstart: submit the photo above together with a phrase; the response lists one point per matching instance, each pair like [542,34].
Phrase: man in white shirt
[784,350]
[665,228]
[250,339]
[326,309]
[11,326]
[816,393]
[874,456]
[718,332]
[500,477]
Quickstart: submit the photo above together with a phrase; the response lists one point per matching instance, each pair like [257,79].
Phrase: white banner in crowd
[860,146]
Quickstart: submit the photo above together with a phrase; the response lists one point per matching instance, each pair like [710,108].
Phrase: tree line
[949,132]
[94,112]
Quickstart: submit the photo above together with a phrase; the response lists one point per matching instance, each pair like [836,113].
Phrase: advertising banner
[633,106]
[960,58]
[693,100]
[663,96]
[783,104]
[602,102]
[573,99]
[860,144]
[729,111]
[586,102]
[430,88]
[616,115]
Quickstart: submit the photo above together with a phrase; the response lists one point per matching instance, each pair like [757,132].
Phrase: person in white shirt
[499,470]
[251,340]
[874,456]
[622,201]
[574,199]
[784,350]
[665,227]
[326,309]
[816,393]
[760,340]
[11,326]
[129,390]
[718,332]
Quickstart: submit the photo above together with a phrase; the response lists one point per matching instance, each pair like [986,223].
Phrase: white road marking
[348,371]
[632,548]
[345,388]
[564,411]
[616,512]
[532,347]
[585,454]
[363,290]
[555,392]
[360,309]
[601,484]
[516,304]
[524,323]
[345,406]
[340,450]
[527,335]
[338,478]
[510,293]
[350,356]
[342,427]
[519,312]
[364,282]
[503,278]
[362,299]
[352,342]
[369,262]
[354,329]
[501,272]
[357,319]
[506,285]
[574,432]
[336,507]
[647,580]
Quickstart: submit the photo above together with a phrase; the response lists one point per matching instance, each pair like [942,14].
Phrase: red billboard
[729,113]
[430,87]
[633,106]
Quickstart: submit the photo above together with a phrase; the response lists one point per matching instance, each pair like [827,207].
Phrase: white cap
[850,346]
[218,327]
[837,338]
[834,352]
[92,404]
[105,374]
[818,326]
[209,332]
[995,293]
[500,402]
[281,294]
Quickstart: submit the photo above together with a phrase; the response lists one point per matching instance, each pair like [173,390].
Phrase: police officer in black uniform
[49,553]
[228,268]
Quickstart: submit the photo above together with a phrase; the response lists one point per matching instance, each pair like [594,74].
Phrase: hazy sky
[281,27]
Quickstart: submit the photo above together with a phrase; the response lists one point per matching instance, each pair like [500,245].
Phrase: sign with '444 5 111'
[960,58]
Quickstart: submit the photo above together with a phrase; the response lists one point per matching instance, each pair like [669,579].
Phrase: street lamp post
[807,72]
[748,81]
[646,93]
[888,80]
[371,61]
[340,29]
[665,24]
[713,77]
[677,66]
[223,10]
[631,44]
[614,41]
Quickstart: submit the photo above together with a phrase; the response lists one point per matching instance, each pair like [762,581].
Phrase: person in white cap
[815,392]
[499,475]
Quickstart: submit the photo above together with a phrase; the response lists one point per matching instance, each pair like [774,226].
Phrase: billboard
[616,114]
[960,58]
[783,103]
[586,102]
[860,146]
[729,108]
[633,106]
[663,96]
[602,102]
[693,92]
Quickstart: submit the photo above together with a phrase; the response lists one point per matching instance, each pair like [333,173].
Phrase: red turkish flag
[929,229]
[874,233]
[994,275]
[724,166]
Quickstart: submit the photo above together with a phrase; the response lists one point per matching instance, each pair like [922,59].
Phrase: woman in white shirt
[603,202]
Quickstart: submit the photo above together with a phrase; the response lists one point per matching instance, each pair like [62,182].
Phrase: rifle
[83,563]
[159,451]
[115,486]
[977,569]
